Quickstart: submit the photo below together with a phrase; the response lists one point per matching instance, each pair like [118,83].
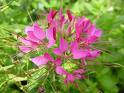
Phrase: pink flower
[72,36]
[62,47]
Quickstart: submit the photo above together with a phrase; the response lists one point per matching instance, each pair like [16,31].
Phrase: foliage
[18,74]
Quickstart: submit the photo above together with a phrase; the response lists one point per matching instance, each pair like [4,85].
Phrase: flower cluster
[70,39]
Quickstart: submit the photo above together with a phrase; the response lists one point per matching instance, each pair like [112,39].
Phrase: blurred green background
[108,15]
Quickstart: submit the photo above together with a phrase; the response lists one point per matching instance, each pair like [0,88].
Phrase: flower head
[66,40]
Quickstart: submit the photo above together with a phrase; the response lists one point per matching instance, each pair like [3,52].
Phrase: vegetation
[19,75]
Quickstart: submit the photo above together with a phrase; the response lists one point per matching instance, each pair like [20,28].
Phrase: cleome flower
[70,39]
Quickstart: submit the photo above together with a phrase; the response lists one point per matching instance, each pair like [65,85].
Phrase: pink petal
[78,54]
[93,34]
[57,62]
[70,17]
[70,78]
[57,51]
[94,53]
[82,25]
[50,37]
[62,18]
[29,28]
[48,56]
[78,76]
[51,15]
[93,31]
[29,43]
[63,45]
[54,24]
[51,43]
[32,37]
[38,32]
[91,39]
[60,70]
[98,33]
[69,30]
[34,45]
[25,41]
[25,49]
[54,33]
[79,27]
[40,60]
[35,33]
[79,71]
[74,46]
